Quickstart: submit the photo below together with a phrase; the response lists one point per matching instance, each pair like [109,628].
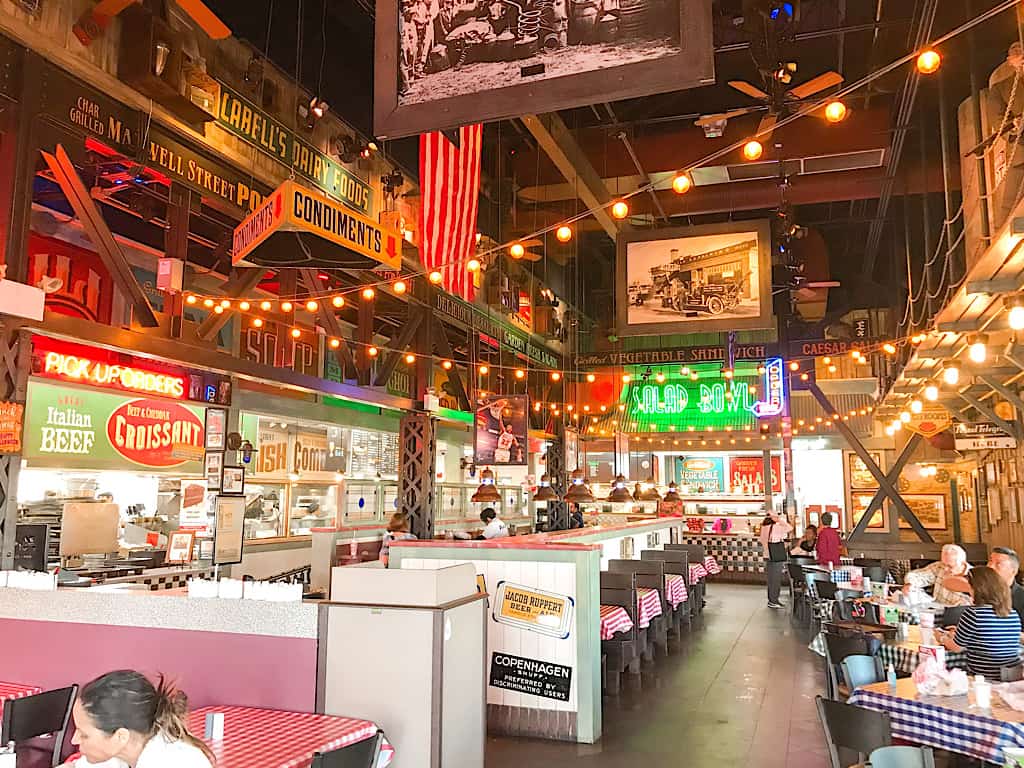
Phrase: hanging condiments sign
[930,421]
[10,427]
[83,429]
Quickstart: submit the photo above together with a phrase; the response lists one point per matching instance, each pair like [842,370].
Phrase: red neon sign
[82,365]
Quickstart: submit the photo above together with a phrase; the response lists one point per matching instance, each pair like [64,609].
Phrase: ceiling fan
[777,103]
[530,255]
[92,23]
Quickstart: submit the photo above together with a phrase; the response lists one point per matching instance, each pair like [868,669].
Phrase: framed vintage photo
[714,277]
[859,501]
[860,477]
[929,508]
[212,467]
[233,481]
[444,63]
[228,529]
[179,547]
[216,428]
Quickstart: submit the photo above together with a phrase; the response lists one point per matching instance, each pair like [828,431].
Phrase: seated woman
[805,547]
[988,631]
[953,563]
[397,530]
[123,721]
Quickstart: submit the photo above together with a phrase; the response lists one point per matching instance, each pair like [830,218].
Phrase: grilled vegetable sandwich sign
[297,227]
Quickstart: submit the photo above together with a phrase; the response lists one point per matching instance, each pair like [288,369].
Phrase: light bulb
[265,306]
[435,277]
[190,299]
[207,303]
[286,306]
[312,306]
[835,111]
[951,374]
[928,62]
[889,349]
[681,184]
[338,301]
[660,377]
[620,209]
[516,250]
[752,150]
[219,309]
[556,376]
[410,358]
[977,350]
[931,392]
[446,364]
[296,333]
[245,306]
[626,378]
[399,287]
[1016,317]
[257,322]
[369,293]
[905,416]
[484,370]
[794,366]
[335,343]
[591,378]
[520,373]
[473,265]
[916,406]
[564,233]
[225,304]
[372,351]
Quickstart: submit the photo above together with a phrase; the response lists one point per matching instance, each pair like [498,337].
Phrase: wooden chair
[852,729]
[624,650]
[678,563]
[45,714]
[696,553]
[649,574]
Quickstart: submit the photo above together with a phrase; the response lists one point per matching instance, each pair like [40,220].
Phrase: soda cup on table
[982,692]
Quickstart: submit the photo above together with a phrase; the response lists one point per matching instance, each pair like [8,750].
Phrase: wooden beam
[364,336]
[894,475]
[243,280]
[554,137]
[399,344]
[330,322]
[989,413]
[444,348]
[110,253]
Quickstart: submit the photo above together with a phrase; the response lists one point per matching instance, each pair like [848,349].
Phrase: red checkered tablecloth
[711,566]
[675,589]
[275,739]
[648,606]
[697,572]
[614,619]
[16,691]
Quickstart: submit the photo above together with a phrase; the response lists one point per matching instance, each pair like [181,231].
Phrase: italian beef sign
[297,227]
[930,421]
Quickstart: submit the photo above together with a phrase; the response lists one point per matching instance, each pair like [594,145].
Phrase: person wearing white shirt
[123,721]
[494,526]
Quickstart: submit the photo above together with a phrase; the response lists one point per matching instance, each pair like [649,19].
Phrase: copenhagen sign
[244,119]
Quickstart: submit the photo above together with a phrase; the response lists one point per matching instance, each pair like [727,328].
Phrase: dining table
[614,619]
[902,653]
[273,738]
[675,589]
[10,690]
[697,573]
[952,723]
[648,606]
[711,566]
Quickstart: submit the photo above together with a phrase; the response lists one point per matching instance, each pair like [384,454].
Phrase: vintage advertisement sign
[470,317]
[538,678]
[229,525]
[244,119]
[980,436]
[10,427]
[533,609]
[90,429]
[273,345]
[932,419]
[341,237]
[701,474]
[500,430]
[746,475]
[194,515]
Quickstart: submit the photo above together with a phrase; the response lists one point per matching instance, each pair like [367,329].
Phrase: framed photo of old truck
[715,277]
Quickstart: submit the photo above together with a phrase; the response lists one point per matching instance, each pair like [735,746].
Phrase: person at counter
[494,526]
[828,545]
[123,720]
[942,576]
[774,530]
[397,530]
[805,546]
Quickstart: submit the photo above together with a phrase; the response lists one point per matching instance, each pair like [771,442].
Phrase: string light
[835,111]
[889,349]
[564,233]
[446,364]
[225,304]
[681,183]
[591,378]
[257,322]
[190,299]
[208,303]
[335,343]
[219,309]
[977,350]
[905,416]
[265,306]
[286,306]
[399,287]
[516,250]
[620,209]
[1016,315]
[410,358]
[312,306]
[556,376]
[369,293]
[435,277]
[296,333]
[660,377]
[752,150]
[473,265]
[484,370]
[245,306]
[916,406]
[794,366]
[626,378]
[928,61]
[372,351]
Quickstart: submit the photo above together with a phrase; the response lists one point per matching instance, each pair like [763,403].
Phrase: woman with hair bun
[123,720]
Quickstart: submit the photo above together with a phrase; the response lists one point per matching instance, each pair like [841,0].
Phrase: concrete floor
[739,693]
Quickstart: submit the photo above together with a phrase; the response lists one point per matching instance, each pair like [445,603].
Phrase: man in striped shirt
[989,631]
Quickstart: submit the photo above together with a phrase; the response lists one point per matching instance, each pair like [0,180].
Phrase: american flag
[449,187]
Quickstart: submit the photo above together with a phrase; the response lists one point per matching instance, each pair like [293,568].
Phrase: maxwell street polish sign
[90,429]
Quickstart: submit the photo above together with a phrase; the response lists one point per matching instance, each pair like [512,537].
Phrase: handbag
[776,549]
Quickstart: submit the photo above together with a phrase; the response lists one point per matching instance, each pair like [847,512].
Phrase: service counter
[544,650]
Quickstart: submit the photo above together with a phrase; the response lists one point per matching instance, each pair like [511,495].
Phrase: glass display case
[264,510]
[312,505]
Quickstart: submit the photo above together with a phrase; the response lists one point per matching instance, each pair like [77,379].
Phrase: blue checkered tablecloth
[945,722]
[904,660]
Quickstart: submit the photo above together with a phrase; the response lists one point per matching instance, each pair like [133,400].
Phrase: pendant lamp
[672,494]
[486,493]
[579,492]
[619,494]
[651,494]
[544,491]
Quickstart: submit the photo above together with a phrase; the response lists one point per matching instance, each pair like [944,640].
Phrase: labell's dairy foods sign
[87,429]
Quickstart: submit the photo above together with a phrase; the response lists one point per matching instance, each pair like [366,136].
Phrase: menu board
[374,452]
[227,537]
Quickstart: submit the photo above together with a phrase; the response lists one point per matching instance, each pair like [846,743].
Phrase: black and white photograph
[696,279]
[501,427]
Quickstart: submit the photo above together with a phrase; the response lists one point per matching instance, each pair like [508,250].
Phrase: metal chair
[1012,674]
[837,648]
[362,754]
[797,587]
[852,729]
[902,757]
[45,714]
[861,670]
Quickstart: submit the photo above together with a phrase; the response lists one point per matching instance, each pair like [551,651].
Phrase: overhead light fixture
[673,493]
[931,392]
[928,61]
[835,111]
[1016,314]
[978,349]
[951,374]
[544,490]
[564,233]
[905,417]
[916,406]
[752,150]
[579,492]
[486,492]
[318,107]
[619,493]
[650,493]
[620,209]
[681,183]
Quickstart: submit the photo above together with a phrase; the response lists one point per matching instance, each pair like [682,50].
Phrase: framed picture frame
[928,508]
[212,467]
[233,481]
[860,477]
[708,278]
[179,547]
[439,65]
[228,541]
[206,549]
[216,428]
[859,501]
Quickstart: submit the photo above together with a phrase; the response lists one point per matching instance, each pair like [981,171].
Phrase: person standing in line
[774,531]
[828,544]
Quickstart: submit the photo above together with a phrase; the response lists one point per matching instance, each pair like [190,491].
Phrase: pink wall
[211,667]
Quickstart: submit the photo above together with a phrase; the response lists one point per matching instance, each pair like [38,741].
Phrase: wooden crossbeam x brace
[330,322]
[885,484]
[110,253]
[893,476]
[399,345]
[983,408]
[243,280]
